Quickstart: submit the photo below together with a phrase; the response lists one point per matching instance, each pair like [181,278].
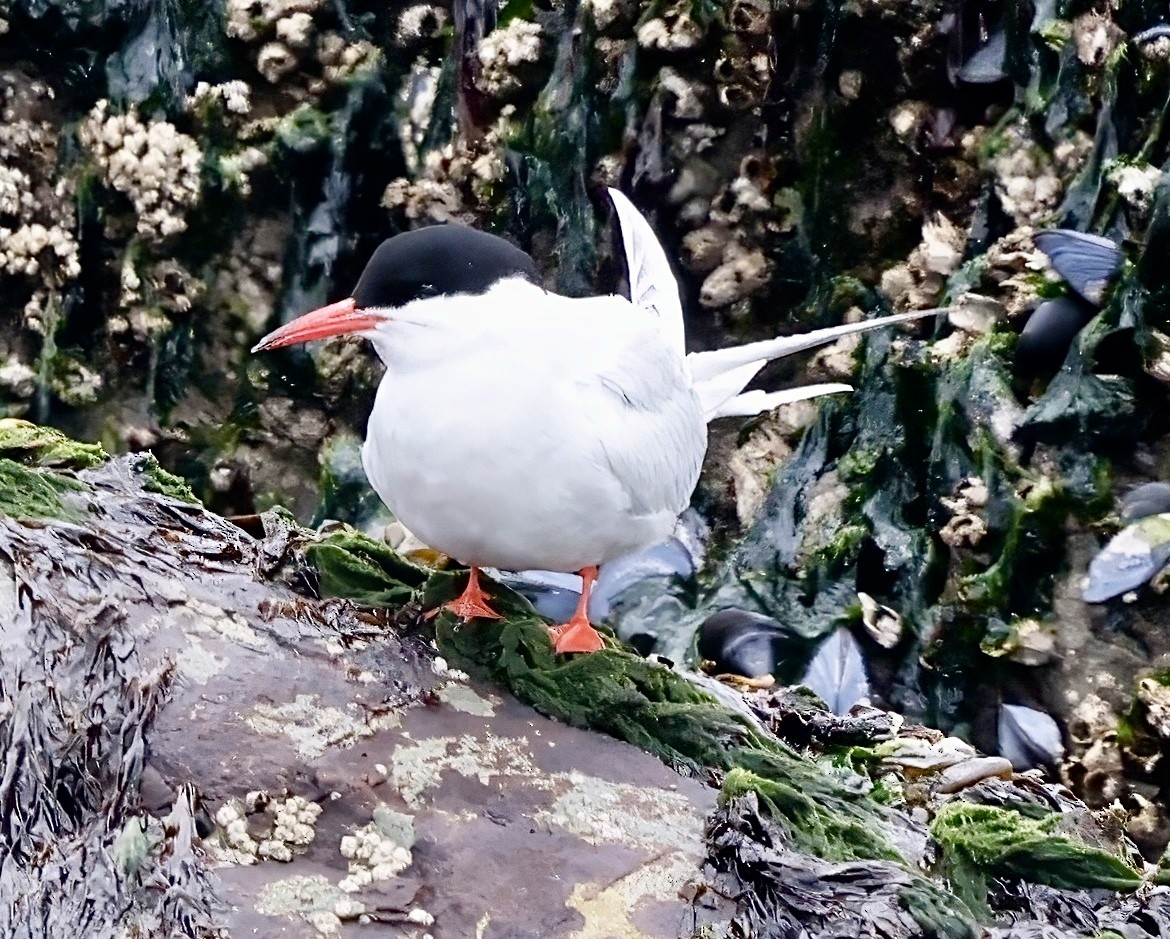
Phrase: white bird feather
[652,283]
[720,375]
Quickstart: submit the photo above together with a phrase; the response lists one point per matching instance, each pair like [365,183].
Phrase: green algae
[29,493]
[34,445]
[29,488]
[980,842]
[25,450]
[164,482]
[352,565]
[789,792]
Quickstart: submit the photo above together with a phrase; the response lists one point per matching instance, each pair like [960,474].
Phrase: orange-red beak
[333,320]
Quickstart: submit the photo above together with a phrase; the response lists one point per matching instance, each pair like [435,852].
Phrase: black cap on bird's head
[438,261]
[442,260]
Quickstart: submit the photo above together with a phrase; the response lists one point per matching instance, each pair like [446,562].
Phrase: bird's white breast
[524,430]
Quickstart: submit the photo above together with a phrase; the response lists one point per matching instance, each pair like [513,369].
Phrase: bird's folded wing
[648,427]
[652,283]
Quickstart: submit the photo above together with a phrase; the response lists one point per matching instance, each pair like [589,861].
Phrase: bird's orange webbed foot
[575,636]
[473,602]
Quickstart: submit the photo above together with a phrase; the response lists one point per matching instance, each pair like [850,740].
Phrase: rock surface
[351,776]
[195,743]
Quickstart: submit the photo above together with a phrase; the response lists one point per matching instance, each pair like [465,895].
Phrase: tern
[518,429]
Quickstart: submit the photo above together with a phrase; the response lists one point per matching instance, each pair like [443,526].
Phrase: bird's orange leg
[577,635]
[473,602]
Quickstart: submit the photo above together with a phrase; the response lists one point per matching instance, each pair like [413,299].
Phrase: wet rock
[299,725]
[349,775]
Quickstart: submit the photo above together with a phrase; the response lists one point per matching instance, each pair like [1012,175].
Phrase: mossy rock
[29,487]
[38,446]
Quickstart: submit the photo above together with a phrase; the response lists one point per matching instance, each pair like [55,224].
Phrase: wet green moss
[157,479]
[29,493]
[38,446]
[840,831]
[352,565]
[981,842]
[25,451]
[28,449]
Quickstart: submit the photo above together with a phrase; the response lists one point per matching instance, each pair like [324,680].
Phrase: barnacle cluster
[967,525]
[290,38]
[150,162]
[37,218]
[917,283]
[503,51]
[673,30]
[419,22]
[726,248]
[235,96]
[151,296]
[1096,37]
[729,209]
[1028,178]
[1135,182]
[379,850]
[264,826]
[453,179]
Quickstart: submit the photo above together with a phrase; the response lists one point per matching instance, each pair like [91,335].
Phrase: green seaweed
[27,448]
[352,565]
[164,482]
[940,914]
[34,445]
[28,493]
[980,842]
[790,790]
